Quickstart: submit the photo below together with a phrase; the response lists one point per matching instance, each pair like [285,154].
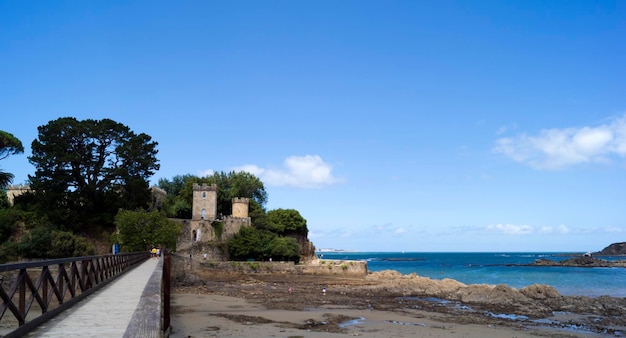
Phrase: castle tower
[204,206]
[240,207]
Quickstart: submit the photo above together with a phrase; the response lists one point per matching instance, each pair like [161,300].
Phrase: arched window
[203,194]
[203,213]
[195,236]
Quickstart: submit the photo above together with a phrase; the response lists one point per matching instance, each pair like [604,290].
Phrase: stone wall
[194,269]
[334,267]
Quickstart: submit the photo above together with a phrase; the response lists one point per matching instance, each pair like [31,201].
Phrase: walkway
[105,313]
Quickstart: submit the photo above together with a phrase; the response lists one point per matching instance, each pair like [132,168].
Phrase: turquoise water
[497,268]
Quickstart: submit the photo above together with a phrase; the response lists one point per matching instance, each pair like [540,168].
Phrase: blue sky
[390,125]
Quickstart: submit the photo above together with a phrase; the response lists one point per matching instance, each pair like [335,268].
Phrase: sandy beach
[383,304]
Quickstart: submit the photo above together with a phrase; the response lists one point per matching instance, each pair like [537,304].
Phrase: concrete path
[106,312]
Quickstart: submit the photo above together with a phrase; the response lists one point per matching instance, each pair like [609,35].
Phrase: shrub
[218,227]
[253,265]
[9,251]
[66,244]
[36,243]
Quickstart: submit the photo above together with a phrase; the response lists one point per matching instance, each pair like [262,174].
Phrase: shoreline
[384,304]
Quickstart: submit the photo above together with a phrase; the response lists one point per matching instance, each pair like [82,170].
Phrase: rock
[581,261]
[540,291]
[499,294]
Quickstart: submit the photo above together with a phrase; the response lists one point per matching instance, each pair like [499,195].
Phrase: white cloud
[400,231]
[252,169]
[615,230]
[561,229]
[204,173]
[385,229]
[559,148]
[511,229]
[308,171]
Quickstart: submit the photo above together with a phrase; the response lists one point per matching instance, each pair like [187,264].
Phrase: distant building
[16,190]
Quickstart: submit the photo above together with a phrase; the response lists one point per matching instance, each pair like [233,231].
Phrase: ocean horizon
[497,268]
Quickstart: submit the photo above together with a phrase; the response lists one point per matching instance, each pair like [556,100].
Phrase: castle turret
[204,202]
[240,207]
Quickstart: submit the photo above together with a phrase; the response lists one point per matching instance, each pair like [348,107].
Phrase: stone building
[205,227]
[16,190]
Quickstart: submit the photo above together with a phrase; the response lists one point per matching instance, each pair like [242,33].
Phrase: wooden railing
[34,292]
[166,292]
[151,319]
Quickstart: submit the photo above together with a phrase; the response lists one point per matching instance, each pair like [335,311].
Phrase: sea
[497,268]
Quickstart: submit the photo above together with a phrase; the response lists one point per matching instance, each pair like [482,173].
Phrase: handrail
[75,278]
[151,318]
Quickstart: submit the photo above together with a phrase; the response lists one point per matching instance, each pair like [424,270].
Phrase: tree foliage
[9,219]
[286,221]
[9,145]
[252,243]
[141,230]
[86,170]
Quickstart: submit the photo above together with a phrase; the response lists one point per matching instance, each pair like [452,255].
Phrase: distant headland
[589,260]
[615,249]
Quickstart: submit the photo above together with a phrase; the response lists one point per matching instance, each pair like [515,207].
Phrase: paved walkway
[106,312]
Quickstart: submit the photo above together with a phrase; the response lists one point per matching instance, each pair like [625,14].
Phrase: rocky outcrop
[615,249]
[581,261]
[533,301]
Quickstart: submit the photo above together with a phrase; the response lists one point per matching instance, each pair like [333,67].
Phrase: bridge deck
[105,313]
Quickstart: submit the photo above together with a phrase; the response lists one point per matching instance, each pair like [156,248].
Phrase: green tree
[140,230]
[178,204]
[4,199]
[250,243]
[284,248]
[253,243]
[9,145]
[87,170]
[286,221]
[9,219]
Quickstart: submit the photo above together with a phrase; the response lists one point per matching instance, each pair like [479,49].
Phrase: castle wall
[198,233]
[232,225]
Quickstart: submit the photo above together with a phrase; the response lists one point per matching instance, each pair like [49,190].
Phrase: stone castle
[205,227]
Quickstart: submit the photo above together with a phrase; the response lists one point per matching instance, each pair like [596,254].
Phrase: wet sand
[264,306]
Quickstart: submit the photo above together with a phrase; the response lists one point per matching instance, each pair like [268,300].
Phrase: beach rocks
[581,261]
[540,292]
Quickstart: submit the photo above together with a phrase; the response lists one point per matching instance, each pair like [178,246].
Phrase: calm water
[495,268]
